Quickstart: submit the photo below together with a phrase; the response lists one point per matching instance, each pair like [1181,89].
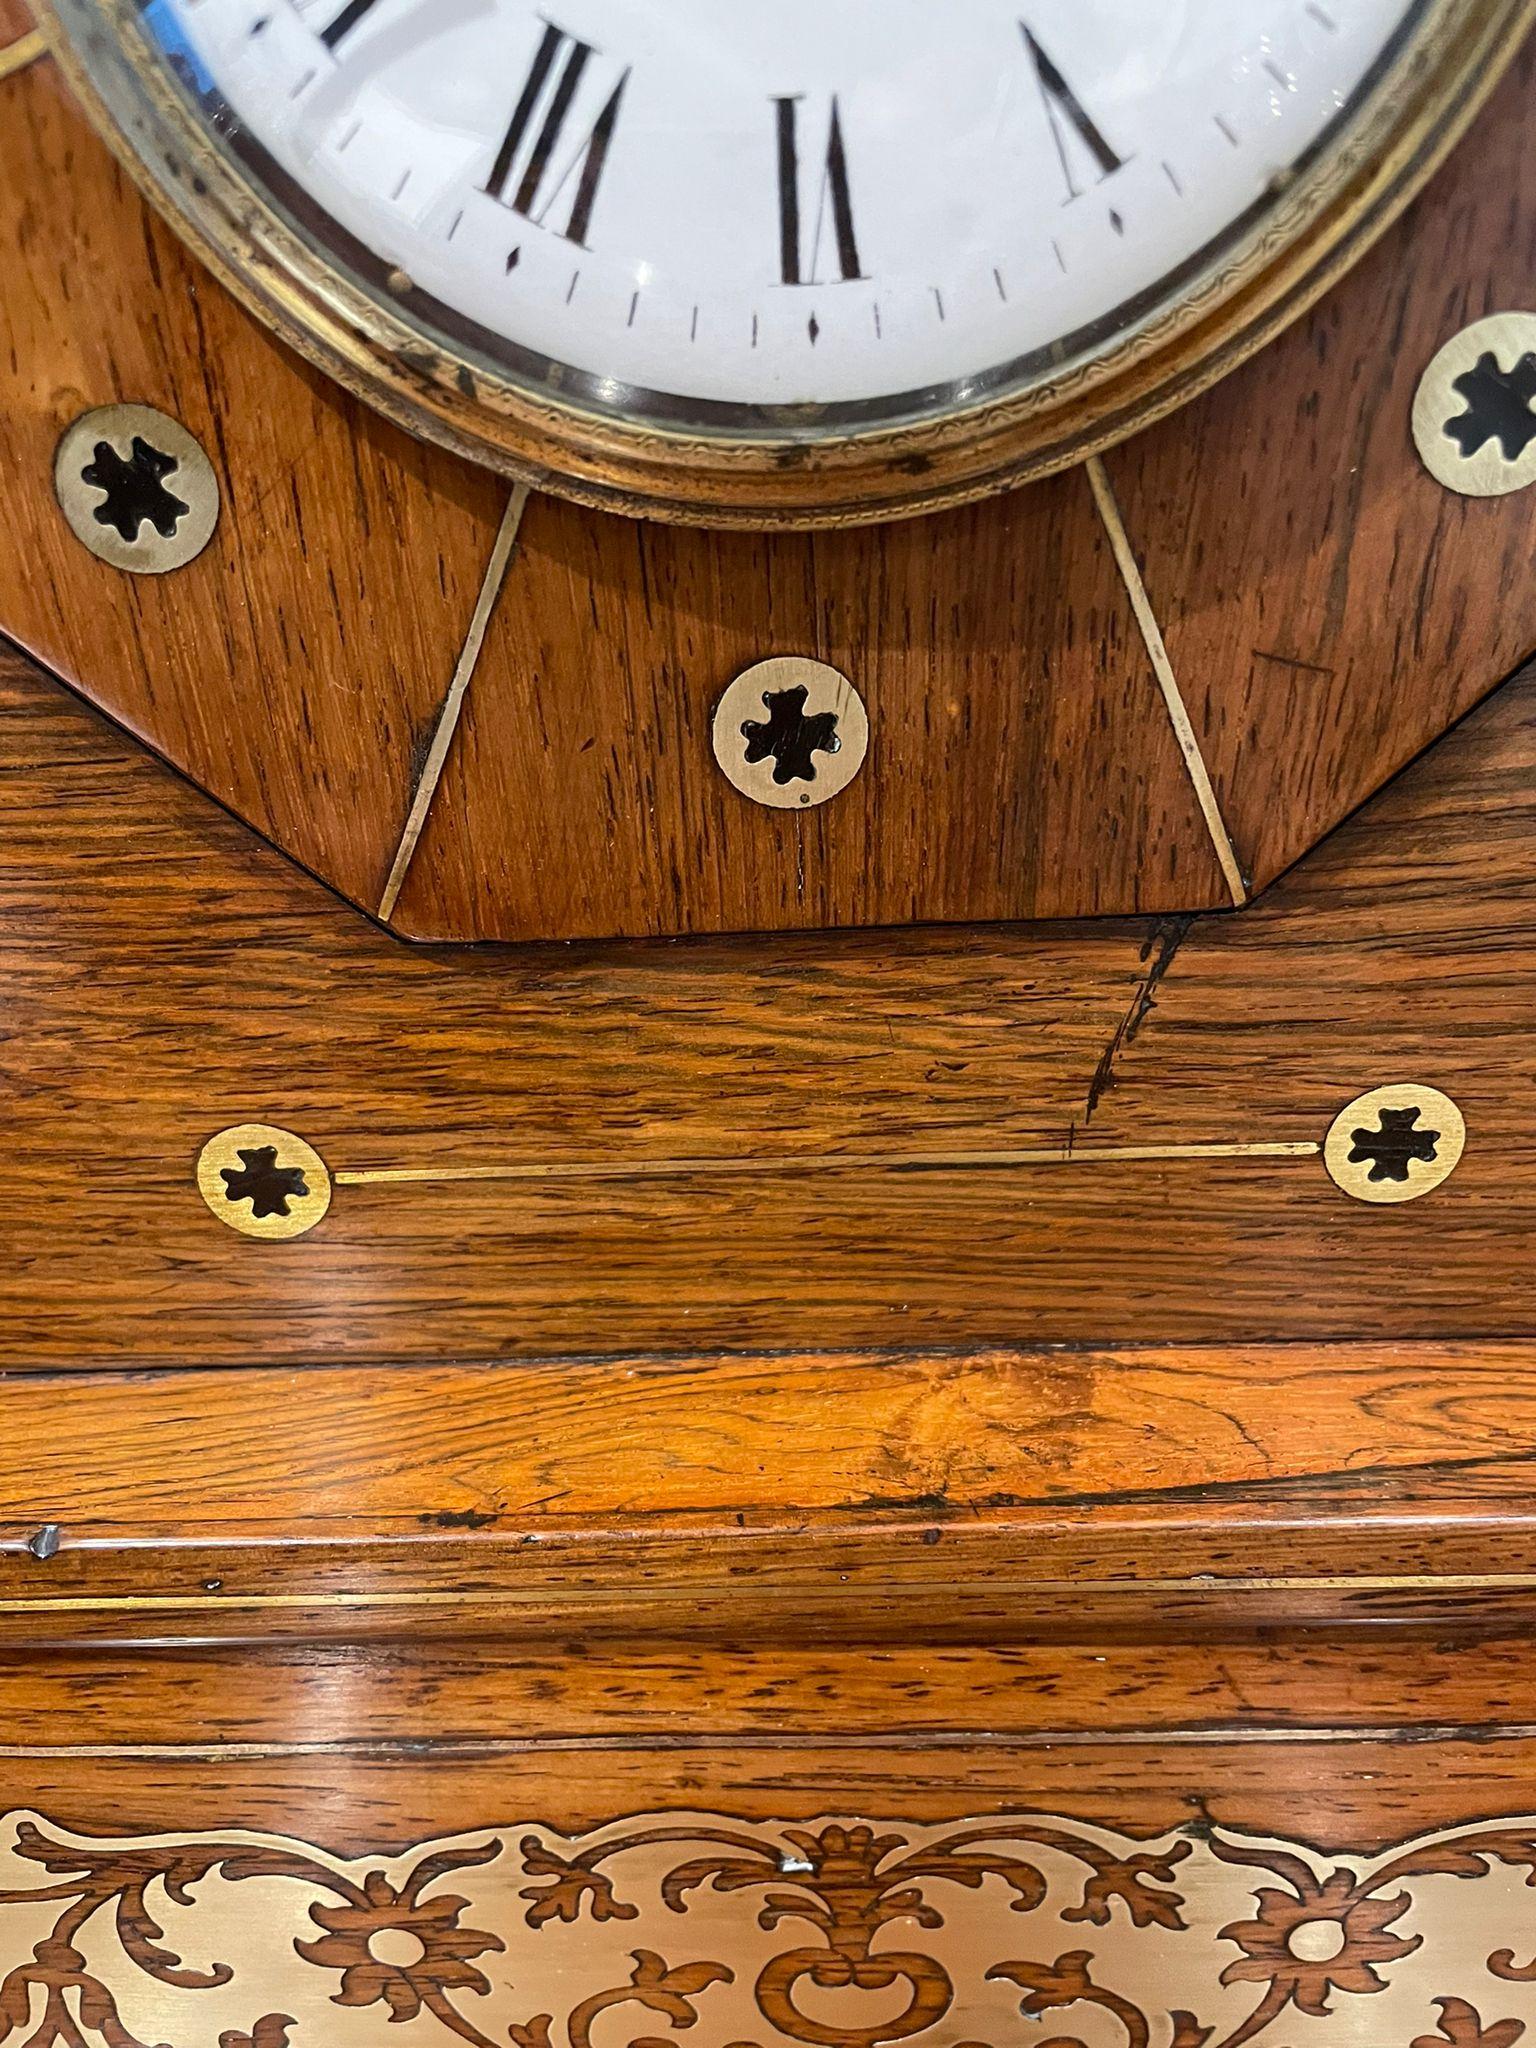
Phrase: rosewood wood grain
[294,669]
[872,1570]
[169,977]
[1352,1794]
[1329,607]
[938,1438]
[1021,761]
[1016,1497]
[371,1747]
[1025,763]
[380,1698]
[384,1699]
[815,1587]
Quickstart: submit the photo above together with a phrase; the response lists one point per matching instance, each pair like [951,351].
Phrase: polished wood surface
[295,666]
[1113,1829]
[169,977]
[1342,1792]
[461,1405]
[1343,1686]
[1330,607]
[1015,1497]
[1181,1498]
[367,1748]
[1021,761]
[934,1438]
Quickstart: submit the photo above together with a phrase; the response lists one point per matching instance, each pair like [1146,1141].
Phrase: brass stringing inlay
[1390,1145]
[752,1934]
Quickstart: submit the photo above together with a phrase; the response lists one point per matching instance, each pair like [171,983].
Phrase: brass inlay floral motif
[833,1933]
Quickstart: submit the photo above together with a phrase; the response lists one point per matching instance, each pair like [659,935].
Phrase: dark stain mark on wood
[1159,951]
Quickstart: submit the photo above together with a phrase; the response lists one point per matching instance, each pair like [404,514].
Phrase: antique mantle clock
[768,909]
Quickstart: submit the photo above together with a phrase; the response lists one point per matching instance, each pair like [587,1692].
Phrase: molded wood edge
[1021,1493]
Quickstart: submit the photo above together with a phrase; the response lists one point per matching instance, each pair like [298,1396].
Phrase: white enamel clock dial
[706,209]
[781,259]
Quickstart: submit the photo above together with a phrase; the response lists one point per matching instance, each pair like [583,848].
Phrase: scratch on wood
[1159,951]
[1293,661]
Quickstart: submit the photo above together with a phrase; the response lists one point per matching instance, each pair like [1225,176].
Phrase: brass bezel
[1325,221]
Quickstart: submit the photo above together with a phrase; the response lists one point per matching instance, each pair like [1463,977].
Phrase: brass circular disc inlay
[790,732]
[1317,1941]
[121,468]
[1395,1143]
[1472,419]
[263,1182]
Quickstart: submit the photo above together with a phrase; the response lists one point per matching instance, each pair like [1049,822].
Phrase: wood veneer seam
[1162,667]
[453,702]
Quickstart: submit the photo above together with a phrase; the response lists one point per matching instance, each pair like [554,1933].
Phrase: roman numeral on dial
[1073,129]
[342,24]
[831,200]
[535,164]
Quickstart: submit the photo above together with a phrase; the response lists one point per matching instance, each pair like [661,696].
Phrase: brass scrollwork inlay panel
[832,1933]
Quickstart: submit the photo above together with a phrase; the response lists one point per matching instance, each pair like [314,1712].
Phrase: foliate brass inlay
[263,1182]
[1395,1143]
[835,1932]
[790,732]
[1473,421]
[136,488]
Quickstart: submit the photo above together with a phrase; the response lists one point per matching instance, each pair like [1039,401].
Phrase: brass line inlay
[287,1184]
[573,1595]
[1167,681]
[24,51]
[827,1162]
[453,702]
[745,1736]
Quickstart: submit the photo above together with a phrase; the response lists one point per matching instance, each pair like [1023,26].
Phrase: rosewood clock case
[1321,608]
[889,1396]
